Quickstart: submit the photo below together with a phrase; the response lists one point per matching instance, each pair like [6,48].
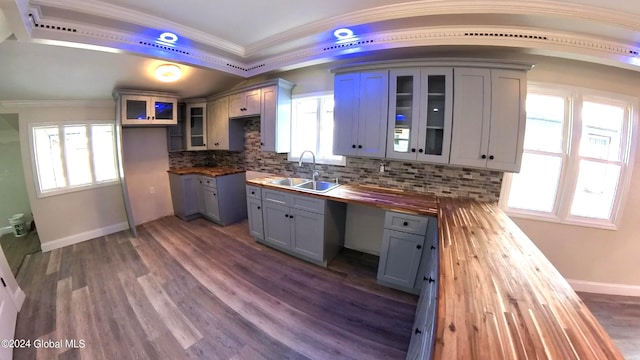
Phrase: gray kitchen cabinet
[307,234]
[184,195]
[420,114]
[246,103]
[277,227]
[254,212]
[405,250]
[176,137]
[400,258]
[423,331]
[275,117]
[196,126]
[220,199]
[223,133]
[144,108]
[489,118]
[360,113]
[303,226]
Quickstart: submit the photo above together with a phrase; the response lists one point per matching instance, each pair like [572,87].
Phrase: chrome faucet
[316,173]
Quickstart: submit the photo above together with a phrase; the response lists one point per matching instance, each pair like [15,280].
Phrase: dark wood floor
[196,290]
[16,248]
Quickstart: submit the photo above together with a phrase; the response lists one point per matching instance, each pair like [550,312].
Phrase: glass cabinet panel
[136,109]
[403,114]
[435,114]
[196,118]
[163,110]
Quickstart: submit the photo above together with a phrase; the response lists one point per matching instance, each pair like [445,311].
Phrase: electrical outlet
[152,189]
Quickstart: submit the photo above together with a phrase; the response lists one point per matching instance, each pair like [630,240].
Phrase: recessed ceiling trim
[115,12]
[459,35]
[448,7]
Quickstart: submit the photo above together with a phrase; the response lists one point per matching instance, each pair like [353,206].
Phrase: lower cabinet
[254,212]
[219,199]
[423,331]
[184,195]
[304,226]
[402,254]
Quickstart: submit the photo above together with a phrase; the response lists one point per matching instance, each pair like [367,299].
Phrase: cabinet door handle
[148,117]
[418,331]
[290,216]
[433,247]
[258,207]
[353,146]
[483,156]
[253,193]
[214,194]
[490,157]
[430,279]
[153,118]
[420,151]
[286,215]
[359,146]
[413,150]
[405,223]
[261,144]
[418,246]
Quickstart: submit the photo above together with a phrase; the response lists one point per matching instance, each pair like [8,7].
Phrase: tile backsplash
[440,180]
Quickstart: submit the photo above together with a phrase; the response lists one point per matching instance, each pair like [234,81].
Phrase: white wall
[146,162]
[13,191]
[581,253]
[78,216]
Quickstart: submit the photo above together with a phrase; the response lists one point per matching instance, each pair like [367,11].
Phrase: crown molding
[16,104]
[448,7]
[115,12]
[518,37]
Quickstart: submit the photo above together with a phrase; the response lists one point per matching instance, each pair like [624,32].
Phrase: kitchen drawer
[411,224]
[278,197]
[254,192]
[308,203]
[208,181]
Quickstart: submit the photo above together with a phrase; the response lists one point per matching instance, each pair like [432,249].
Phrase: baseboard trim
[88,235]
[6,230]
[605,288]
[18,298]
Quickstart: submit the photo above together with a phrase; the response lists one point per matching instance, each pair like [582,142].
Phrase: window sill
[321,161]
[41,195]
[583,222]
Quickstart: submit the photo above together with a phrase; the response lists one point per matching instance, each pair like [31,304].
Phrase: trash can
[18,224]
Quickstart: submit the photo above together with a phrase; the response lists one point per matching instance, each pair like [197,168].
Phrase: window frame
[319,160]
[572,138]
[71,188]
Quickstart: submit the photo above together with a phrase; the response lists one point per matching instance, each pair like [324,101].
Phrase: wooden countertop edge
[340,194]
[206,171]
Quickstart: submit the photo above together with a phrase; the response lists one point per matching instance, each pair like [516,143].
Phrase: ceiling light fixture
[343,34]
[168,72]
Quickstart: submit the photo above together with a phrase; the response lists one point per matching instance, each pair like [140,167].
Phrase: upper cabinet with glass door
[420,113]
[196,126]
[138,108]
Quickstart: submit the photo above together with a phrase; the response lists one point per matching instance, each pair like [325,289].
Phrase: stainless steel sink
[290,181]
[317,186]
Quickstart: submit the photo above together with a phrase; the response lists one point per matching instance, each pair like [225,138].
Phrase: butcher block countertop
[498,295]
[206,171]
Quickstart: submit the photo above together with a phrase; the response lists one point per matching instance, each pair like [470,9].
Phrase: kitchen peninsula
[497,296]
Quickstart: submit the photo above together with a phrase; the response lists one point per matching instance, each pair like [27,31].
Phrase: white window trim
[296,157]
[69,189]
[562,207]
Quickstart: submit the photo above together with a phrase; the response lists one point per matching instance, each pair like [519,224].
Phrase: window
[70,157]
[577,155]
[312,129]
